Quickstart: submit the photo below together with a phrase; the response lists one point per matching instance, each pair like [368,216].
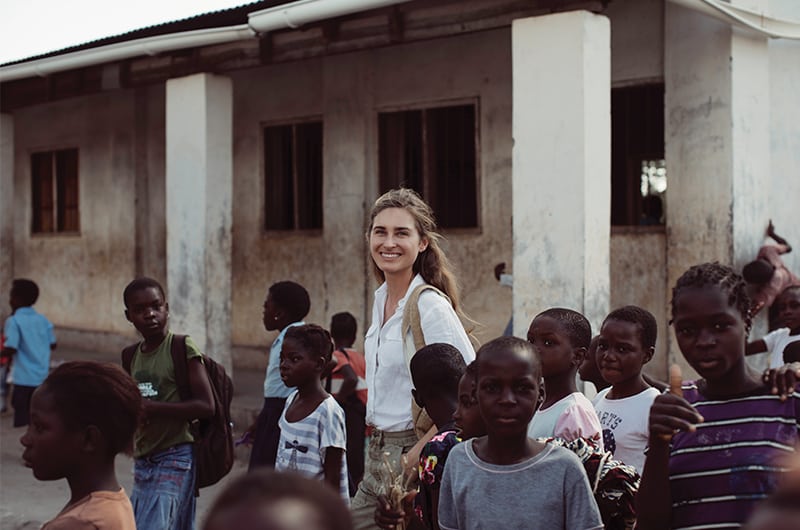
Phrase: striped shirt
[733,460]
[303,443]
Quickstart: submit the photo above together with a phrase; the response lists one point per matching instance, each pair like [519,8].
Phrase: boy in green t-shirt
[164,471]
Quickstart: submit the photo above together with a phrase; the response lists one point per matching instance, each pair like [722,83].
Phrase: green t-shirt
[154,372]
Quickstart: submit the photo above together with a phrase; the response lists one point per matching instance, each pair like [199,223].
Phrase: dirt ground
[26,503]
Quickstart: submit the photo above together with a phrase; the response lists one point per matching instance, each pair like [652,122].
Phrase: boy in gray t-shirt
[505,479]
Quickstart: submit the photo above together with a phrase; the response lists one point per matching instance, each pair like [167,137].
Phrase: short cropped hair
[26,291]
[720,276]
[97,393]
[140,284]
[642,318]
[436,370]
[576,325]
[292,298]
[758,271]
[509,344]
[343,326]
[315,339]
[260,488]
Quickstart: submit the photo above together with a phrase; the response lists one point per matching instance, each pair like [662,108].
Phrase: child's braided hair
[722,276]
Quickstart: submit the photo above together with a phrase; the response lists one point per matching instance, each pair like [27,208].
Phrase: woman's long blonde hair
[432,263]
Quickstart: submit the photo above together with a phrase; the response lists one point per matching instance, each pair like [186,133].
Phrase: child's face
[148,312]
[297,365]
[394,241]
[467,416]
[50,448]
[508,391]
[710,332]
[788,307]
[271,315]
[553,346]
[620,355]
[588,370]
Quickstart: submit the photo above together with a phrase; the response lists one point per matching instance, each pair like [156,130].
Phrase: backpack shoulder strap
[411,321]
[127,356]
[181,366]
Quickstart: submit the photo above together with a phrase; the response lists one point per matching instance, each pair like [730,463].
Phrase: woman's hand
[782,381]
[389,518]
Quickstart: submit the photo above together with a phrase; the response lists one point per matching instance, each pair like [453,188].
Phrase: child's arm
[201,405]
[349,383]
[332,466]
[655,383]
[669,414]
[757,346]
[785,246]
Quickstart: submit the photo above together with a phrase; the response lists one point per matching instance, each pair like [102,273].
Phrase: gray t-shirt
[548,492]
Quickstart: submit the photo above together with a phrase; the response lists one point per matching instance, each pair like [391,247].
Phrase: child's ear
[417,398]
[648,354]
[578,355]
[93,439]
[128,316]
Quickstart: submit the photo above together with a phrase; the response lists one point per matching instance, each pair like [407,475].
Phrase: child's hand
[387,517]
[670,414]
[782,381]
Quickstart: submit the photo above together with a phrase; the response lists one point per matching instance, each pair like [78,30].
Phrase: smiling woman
[406,256]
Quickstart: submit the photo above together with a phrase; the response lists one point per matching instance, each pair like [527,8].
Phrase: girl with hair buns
[406,255]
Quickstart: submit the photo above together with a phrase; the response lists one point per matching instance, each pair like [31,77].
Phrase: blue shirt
[31,334]
[273,384]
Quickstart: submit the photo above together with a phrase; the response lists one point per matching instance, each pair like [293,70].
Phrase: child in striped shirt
[313,436]
[718,449]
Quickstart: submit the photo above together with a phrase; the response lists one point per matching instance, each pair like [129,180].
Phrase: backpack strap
[127,357]
[411,321]
[181,366]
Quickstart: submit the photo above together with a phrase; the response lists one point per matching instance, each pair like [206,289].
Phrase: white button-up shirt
[388,376]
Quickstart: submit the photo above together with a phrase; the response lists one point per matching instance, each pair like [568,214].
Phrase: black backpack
[213,437]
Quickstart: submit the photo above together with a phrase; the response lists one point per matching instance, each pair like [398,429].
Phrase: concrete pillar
[6,203]
[345,170]
[717,142]
[561,165]
[199,210]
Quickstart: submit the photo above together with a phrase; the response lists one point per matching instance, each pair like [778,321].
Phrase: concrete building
[599,148]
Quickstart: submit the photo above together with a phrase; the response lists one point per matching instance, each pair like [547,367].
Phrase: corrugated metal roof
[232,16]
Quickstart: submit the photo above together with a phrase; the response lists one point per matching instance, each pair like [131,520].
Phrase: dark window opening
[433,151]
[54,186]
[293,176]
[638,169]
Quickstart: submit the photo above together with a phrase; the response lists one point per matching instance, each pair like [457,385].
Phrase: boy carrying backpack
[175,394]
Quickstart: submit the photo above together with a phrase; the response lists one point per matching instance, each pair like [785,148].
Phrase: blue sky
[31,27]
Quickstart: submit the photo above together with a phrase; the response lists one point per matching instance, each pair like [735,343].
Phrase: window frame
[632,158]
[428,105]
[58,195]
[292,122]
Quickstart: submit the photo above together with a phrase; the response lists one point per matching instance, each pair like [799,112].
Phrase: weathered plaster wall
[81,276]
[638,277]
[348,91]
[637,41]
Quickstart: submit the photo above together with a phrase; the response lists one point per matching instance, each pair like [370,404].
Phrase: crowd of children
[510,441]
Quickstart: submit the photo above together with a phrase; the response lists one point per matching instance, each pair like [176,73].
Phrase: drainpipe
[303,12]
[758,22]
[124,50]
[287,16]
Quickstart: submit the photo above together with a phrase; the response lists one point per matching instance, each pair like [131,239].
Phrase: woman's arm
[757,346]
